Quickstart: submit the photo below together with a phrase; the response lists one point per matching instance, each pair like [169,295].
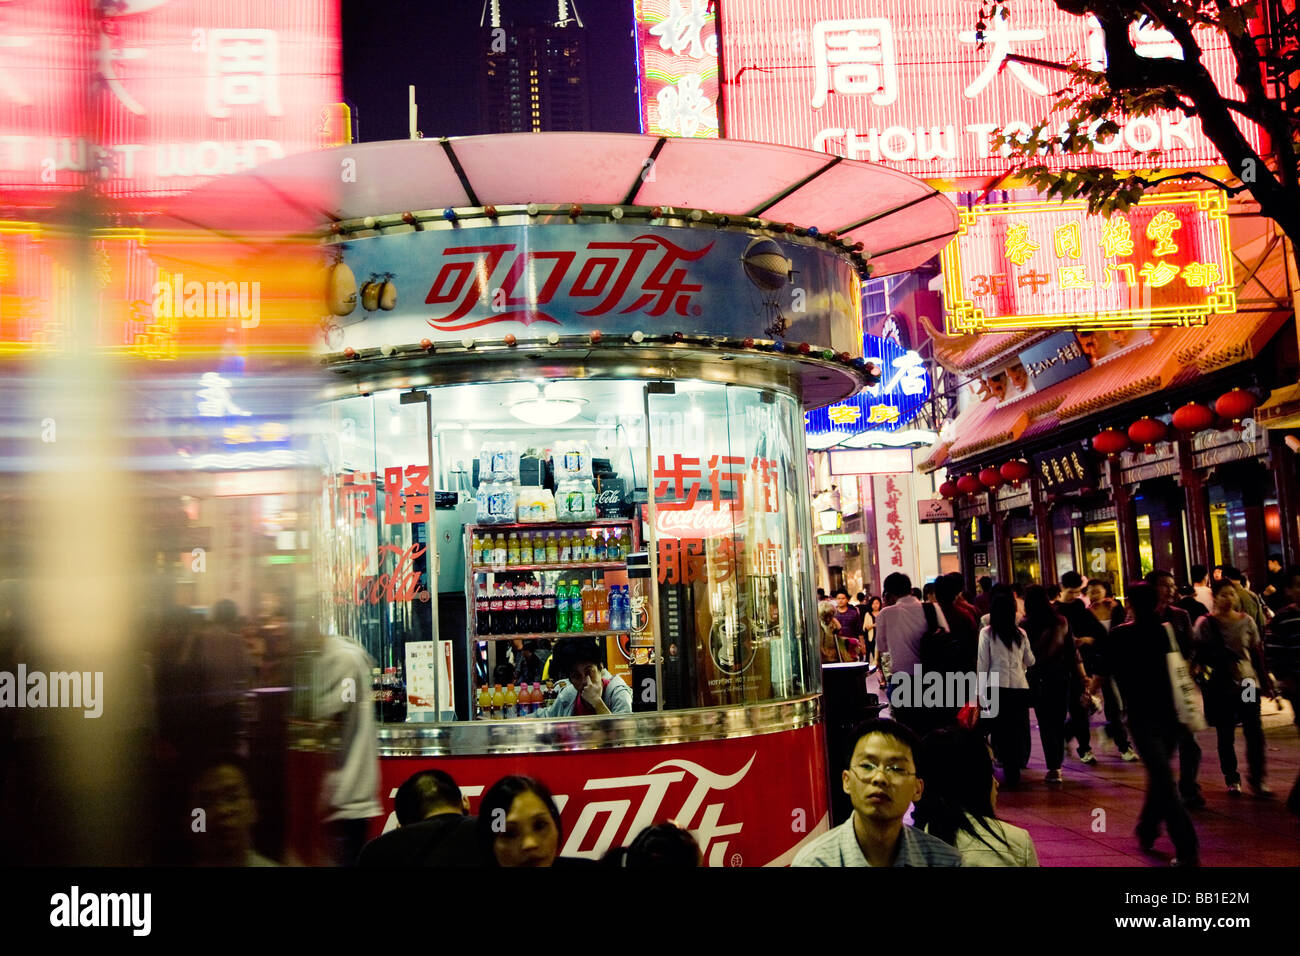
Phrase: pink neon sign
[677,44]
[904,82]
[153,97]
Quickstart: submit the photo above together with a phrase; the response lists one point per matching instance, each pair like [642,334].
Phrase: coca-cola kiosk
[566,383]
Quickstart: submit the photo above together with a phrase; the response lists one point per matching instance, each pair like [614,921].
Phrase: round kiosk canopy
[901,221]
[486,244]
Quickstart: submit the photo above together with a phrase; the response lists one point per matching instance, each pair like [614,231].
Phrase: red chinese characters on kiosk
[405,504]
[490,275]
[685,476]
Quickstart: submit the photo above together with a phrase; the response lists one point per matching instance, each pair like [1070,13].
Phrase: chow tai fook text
[1041,264]
[913,84]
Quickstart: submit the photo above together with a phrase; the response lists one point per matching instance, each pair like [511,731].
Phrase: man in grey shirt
[882,783]
[900,625]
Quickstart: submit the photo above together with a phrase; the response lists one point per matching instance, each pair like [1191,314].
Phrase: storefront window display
[1228,529]
[553,514]
[1100,543]
[1024,552]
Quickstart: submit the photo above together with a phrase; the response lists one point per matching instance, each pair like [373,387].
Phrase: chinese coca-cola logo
[644,274]
[400,583]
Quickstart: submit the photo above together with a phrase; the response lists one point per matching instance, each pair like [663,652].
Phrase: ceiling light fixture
[542,410]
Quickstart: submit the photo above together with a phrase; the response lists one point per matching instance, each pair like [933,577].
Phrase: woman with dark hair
[959,802]
[664,845]
[1230,653]
[519,824]
[1055,660]
[1004,656]
[869,612]
[1109,614]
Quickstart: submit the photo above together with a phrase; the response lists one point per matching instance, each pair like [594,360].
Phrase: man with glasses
[882,783]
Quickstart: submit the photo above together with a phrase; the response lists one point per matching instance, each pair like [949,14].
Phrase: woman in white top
[1004,656]
[959,800]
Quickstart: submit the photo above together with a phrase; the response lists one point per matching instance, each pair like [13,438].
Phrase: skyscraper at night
[533,74]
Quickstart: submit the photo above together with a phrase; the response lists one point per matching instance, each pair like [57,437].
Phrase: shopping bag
[1184,688]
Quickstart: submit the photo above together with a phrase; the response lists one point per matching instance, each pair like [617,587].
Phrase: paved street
[1234,831]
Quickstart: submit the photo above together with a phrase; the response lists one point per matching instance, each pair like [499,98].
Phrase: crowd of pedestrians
[1159,666]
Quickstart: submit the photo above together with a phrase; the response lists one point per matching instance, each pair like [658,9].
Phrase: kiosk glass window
[451,598]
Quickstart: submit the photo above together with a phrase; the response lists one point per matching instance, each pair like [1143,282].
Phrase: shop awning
[1172,359]
[1282,410]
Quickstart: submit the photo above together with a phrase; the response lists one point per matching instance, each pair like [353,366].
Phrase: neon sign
[903,389]
[907,82]
[1048,264]
[677,54]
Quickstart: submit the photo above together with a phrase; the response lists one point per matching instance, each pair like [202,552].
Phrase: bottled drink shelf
[583,566]
[553,525]
[544,635]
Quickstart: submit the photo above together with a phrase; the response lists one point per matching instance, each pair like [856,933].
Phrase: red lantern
[1236,405]
[1110,442]
[1147,431]
[1016,471]
[949,489]
[1193,418]
[968,484]
[990,478]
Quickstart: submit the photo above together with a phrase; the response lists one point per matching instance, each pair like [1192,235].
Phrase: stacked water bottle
[498,483]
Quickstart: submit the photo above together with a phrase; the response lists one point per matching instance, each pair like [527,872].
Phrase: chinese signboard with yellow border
[1041,264]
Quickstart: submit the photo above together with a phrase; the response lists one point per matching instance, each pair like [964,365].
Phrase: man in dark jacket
[1189,751]
[1283,651]
[434,828]
[1087,631]
[1135,654]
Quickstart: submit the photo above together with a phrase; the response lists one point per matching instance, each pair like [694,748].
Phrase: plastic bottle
[498,702]
[512,550]
[498,551]
[511,701]
[482,612]
[548,624]
[572,611]
[588,607]
[536,605]
[484,702]
[526,547]
[602,607]
[496,607]
[509,623]
[614,551]
[552,548]
[539,548]
[562,608]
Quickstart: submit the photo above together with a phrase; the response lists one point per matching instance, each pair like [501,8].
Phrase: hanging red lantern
[1193,418]
[949,489]
[1110,442]
[968,484]
[1236,405]
[990,478]
[1147,431]
[1016,471]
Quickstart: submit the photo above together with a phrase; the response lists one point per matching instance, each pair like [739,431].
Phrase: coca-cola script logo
[665,793]
[402,583]
[698,522]
[606,274]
